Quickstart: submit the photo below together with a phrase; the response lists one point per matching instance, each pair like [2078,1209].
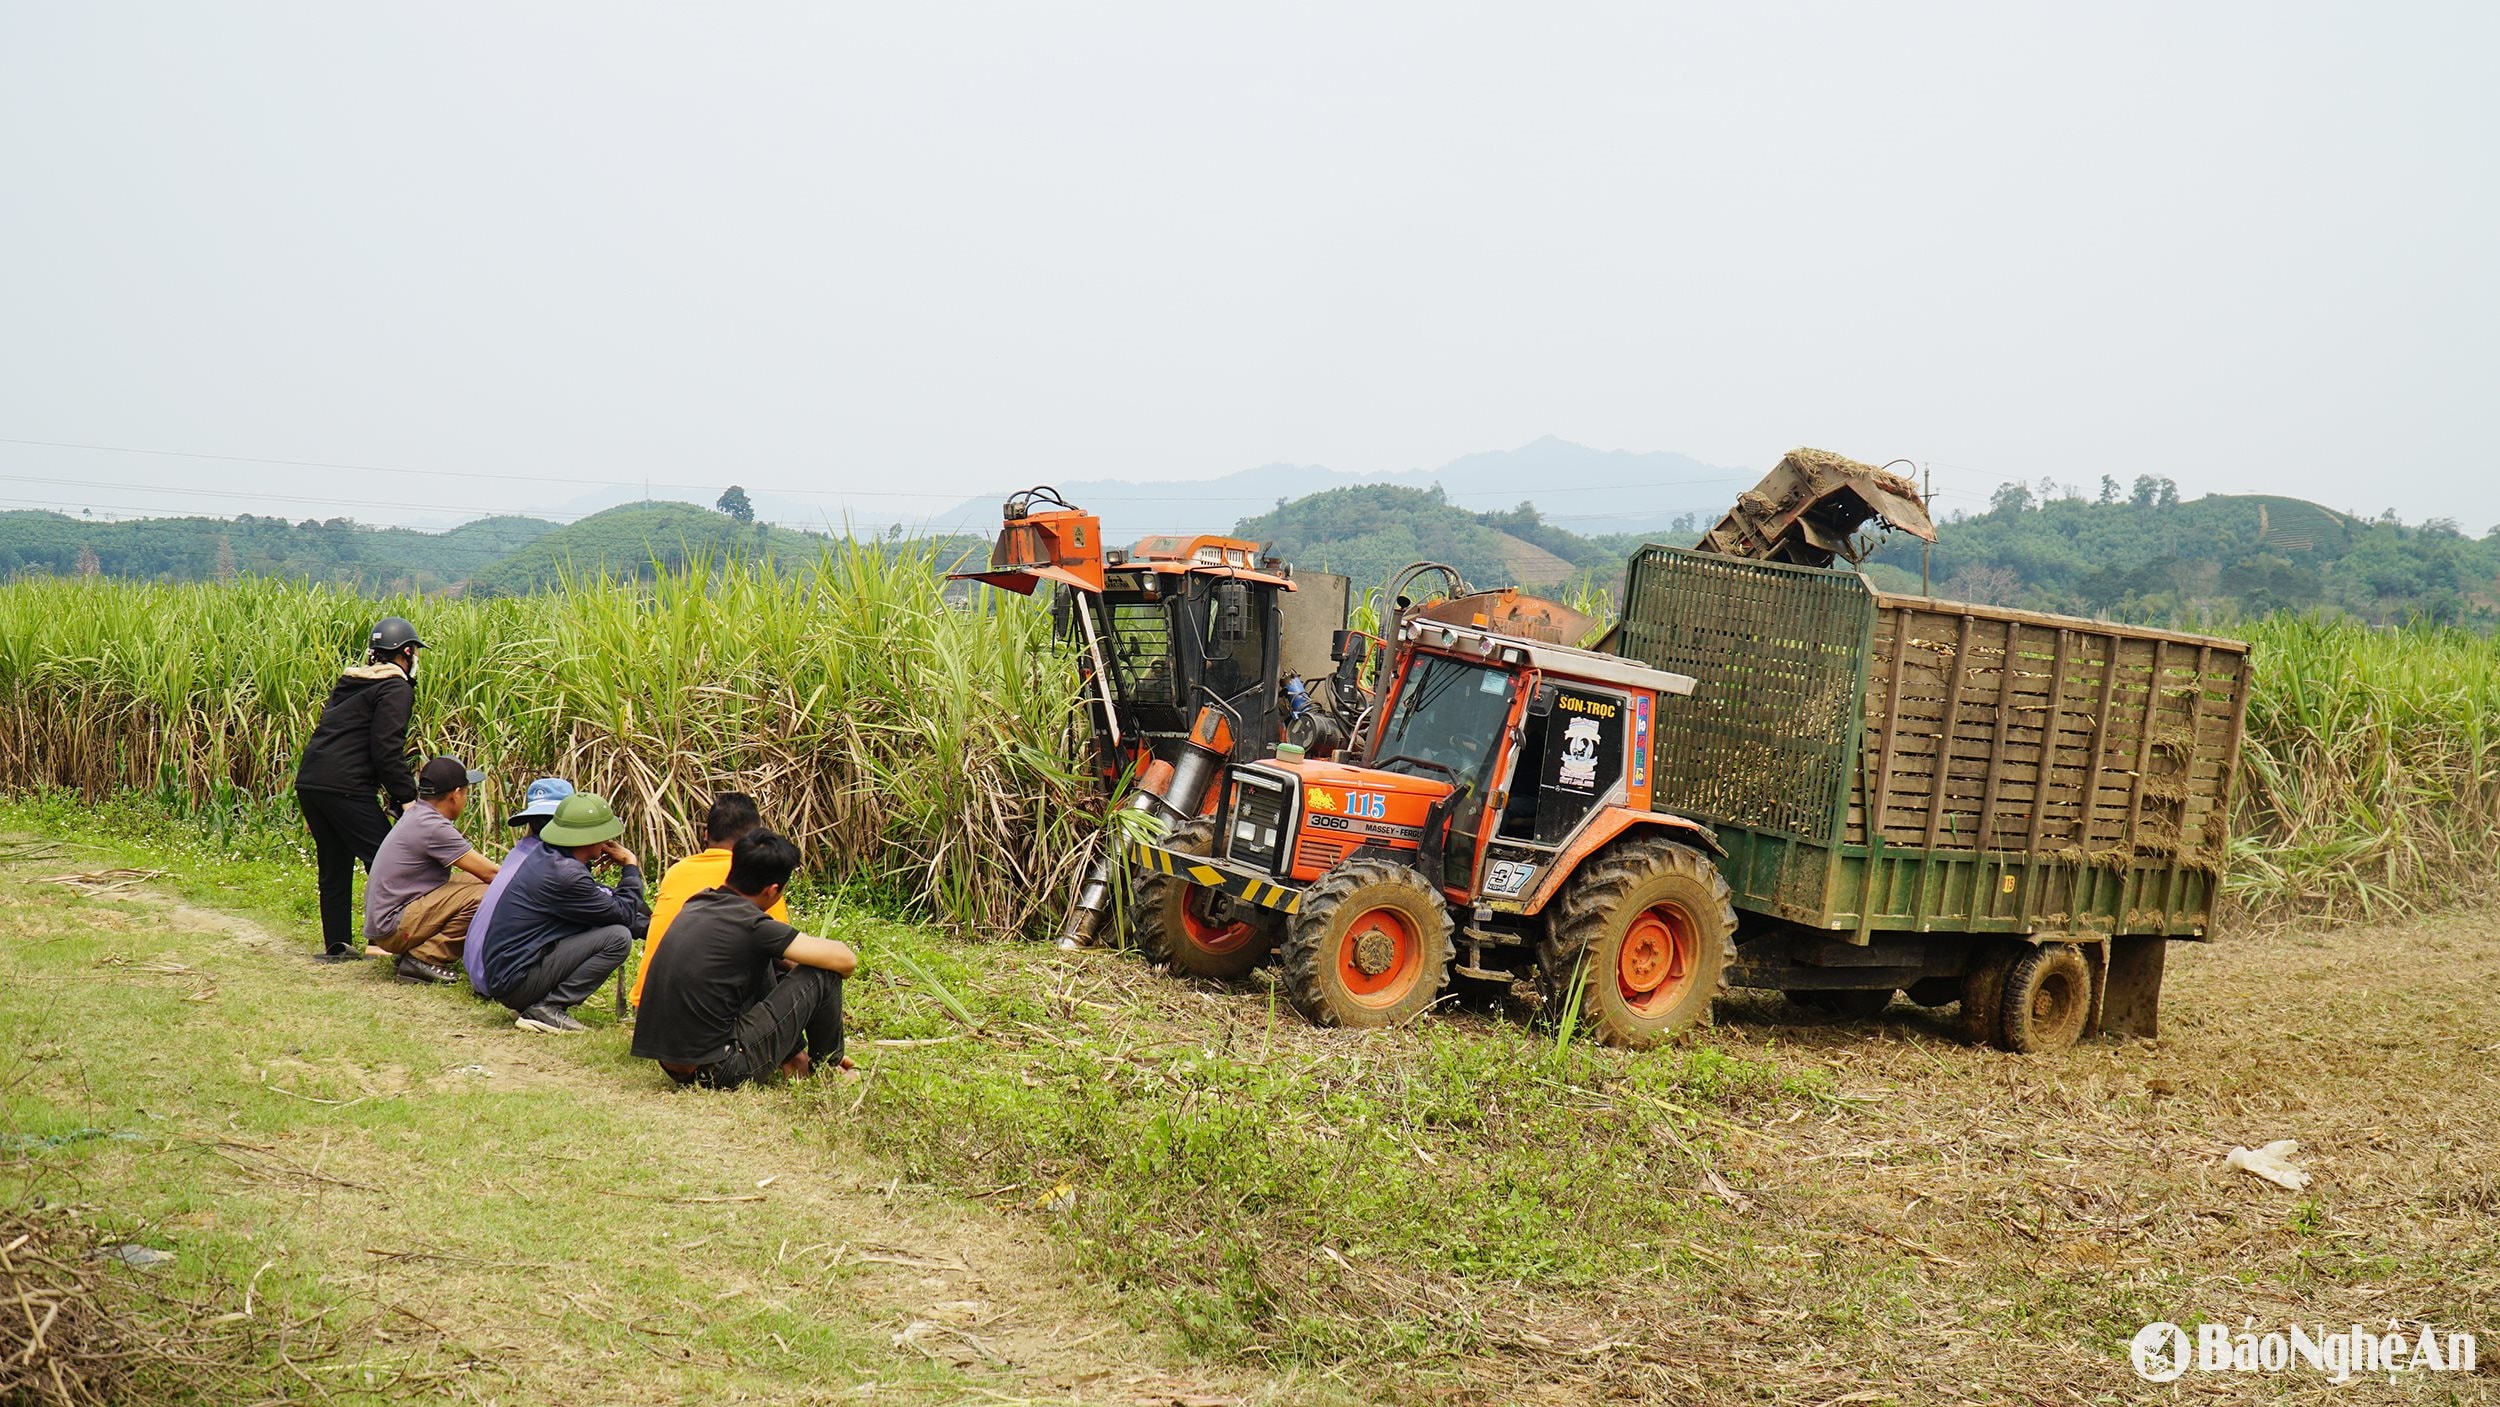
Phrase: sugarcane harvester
[1192,651]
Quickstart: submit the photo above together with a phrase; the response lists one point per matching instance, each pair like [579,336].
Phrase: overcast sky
[883,256]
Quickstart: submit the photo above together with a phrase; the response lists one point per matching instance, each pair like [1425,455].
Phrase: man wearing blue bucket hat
[538,806]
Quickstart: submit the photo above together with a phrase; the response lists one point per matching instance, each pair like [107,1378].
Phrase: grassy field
[1084,1182]
[1118,1187]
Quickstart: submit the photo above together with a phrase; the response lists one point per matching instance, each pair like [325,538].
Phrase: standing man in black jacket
[358,749]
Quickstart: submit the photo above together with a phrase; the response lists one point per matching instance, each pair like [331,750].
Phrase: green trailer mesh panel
[1777,653]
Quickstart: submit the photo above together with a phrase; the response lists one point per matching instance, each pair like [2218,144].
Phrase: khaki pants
[435,925]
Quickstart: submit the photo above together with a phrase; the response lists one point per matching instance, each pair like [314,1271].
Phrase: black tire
[1641,937]
[2048,994]
[1196,931]
[1983,992]
[1369,946]
[1935,991]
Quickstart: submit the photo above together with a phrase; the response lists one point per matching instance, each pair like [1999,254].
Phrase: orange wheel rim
[1381,957]
[1655,966]
[1205,933]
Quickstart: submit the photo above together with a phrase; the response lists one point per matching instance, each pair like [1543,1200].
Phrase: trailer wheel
[1643,930]
[1197,931]
[1369,945]
[2048,992]
[1983,992]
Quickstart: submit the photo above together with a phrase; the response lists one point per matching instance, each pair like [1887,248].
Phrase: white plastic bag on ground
[2272,1162]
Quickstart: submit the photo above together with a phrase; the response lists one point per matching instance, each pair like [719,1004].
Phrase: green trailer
[2000,808]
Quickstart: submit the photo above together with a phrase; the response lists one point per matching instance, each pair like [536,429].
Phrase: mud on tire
[2048,994]
[1368,946]
[1983,993]
[1193,930]
[1653,920]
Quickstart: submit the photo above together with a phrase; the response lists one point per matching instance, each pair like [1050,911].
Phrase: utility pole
[1926,550]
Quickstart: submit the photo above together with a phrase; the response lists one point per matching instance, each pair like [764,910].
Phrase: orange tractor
[1503,821]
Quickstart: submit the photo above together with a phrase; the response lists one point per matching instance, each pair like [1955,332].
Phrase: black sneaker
[552,1020]
[419,970]
[337,955]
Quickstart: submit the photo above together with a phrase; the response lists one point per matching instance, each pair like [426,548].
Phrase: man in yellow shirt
[733,814]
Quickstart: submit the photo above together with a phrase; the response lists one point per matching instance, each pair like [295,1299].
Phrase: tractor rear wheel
[1197,931]
[1640,938]
[1369,945]
[2048,993]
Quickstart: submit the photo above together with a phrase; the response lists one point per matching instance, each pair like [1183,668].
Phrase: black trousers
[804,1006]
[345,829]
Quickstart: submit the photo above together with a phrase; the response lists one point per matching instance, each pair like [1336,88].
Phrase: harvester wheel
[1369,946]
[2048,992]
[1197,931]
[1641,937]
[1983,992]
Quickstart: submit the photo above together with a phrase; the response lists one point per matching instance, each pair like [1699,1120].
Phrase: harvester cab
[1502,824]
[1195,651]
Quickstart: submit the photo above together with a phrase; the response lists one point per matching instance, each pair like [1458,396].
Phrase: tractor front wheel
[1369,945]
[1197,931]
[1640,941]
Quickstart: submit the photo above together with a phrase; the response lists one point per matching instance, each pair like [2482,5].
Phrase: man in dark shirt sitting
[736,993]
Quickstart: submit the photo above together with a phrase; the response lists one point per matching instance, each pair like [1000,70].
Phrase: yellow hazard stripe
[1264,893]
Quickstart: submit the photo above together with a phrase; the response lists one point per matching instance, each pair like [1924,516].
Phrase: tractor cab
[1502,821]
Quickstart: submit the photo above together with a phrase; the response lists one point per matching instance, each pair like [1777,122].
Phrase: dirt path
[521,1218]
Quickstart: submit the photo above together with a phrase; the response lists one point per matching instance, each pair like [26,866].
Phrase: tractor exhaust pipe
[1169,792]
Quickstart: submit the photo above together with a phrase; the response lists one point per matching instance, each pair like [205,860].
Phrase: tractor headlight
[1255,832]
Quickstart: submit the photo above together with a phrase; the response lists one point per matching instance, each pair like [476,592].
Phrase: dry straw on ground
[82,1326]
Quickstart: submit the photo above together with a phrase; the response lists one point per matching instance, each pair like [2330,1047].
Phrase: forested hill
[2148,556]
[1369,531]
[493,556]
[2141,556]
[211,549]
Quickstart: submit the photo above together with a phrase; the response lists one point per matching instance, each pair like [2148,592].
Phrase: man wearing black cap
[358,749]
[426,879]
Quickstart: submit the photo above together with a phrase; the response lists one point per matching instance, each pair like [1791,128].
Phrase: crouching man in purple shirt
[538,807]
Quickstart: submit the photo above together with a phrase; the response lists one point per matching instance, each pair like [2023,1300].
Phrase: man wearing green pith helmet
[558,932]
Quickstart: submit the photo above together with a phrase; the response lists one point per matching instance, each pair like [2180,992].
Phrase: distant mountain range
[1587,491]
